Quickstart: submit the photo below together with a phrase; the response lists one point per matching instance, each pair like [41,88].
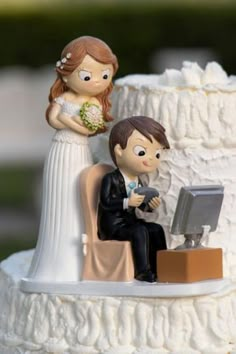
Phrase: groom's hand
[154,203]
[135,200]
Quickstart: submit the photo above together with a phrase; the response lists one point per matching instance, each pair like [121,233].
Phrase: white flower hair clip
[59,63]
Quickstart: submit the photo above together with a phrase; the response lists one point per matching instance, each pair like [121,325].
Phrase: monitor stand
[191,241]
[194,240]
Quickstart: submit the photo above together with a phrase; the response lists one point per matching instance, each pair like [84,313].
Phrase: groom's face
[140,155]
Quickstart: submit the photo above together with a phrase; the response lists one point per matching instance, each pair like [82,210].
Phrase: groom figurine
[135,146]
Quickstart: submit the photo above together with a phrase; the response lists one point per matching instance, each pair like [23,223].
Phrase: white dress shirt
[128,189]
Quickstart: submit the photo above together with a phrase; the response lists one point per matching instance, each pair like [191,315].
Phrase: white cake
[197,109]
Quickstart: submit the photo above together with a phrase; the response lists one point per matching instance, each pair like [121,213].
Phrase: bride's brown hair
[75,51]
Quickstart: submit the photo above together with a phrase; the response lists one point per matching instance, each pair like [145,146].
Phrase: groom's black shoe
[147,275]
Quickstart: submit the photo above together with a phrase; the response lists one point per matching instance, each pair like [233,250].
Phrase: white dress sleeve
[67,107]
[59,100]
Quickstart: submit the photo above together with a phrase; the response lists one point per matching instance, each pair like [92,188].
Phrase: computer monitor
[197,206]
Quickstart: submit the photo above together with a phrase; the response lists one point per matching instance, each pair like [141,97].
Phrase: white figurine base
[135,288]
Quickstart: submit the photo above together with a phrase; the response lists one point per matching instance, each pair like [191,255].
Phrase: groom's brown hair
[148,127]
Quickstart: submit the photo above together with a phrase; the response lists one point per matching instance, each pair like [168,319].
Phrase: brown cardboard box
[189,265]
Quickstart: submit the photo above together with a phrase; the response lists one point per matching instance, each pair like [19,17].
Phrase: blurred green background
[32,35]
[134,30]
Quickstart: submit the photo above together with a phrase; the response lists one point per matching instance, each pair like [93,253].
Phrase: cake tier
[41,323]
[196,107]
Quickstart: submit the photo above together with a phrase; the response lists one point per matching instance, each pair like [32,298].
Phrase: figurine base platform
[133,288]
[189,265]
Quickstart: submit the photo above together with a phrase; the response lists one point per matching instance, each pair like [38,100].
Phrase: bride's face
[90,78]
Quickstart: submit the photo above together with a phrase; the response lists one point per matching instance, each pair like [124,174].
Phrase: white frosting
[190,76]
[197,107]
[40,323]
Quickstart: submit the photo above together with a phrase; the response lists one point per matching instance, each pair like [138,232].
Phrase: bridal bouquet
[91,116]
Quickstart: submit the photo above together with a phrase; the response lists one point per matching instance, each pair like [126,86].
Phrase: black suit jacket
[111,215]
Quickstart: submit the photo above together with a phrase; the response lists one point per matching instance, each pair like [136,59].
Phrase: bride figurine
[78,108]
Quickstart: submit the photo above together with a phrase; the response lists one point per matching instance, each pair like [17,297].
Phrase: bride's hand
[74,125]
[78,120]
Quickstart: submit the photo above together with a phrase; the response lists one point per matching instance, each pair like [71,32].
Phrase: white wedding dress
[58,256]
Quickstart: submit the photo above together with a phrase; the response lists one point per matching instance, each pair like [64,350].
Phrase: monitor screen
[197,206]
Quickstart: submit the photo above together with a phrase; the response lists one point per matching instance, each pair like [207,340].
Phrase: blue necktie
[131,186]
